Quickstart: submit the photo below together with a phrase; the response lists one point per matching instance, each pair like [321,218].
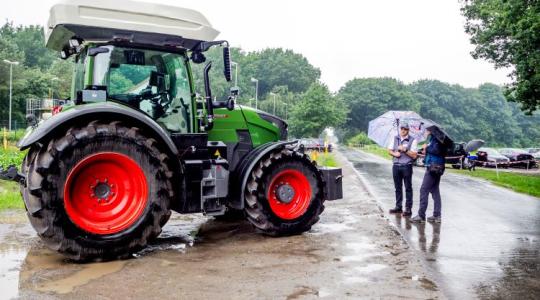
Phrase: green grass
[10,197]
[326,160]
[521,183]
[377,150]
[11,156]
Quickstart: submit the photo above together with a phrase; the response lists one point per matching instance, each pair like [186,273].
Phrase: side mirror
[227,63]
[198,57]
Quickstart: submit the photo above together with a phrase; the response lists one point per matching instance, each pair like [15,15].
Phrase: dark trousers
[430,184]
[403,175]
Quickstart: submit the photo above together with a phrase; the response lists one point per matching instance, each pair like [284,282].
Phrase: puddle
[330,228]
[11,261]
[88,273]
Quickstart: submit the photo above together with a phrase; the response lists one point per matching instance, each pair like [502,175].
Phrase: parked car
[519,157]
[535,152]
[489,157]
[315,145]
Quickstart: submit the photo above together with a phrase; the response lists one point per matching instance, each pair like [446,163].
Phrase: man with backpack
[403,150]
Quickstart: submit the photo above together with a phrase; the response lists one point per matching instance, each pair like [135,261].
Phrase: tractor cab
[138,60]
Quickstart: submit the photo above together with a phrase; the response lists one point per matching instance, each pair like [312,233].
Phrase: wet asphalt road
[353,252]
[488,245]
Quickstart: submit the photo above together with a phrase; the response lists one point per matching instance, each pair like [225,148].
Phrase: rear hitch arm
[12,174]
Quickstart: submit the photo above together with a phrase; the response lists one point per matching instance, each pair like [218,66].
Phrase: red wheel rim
[297,190]
[105,193]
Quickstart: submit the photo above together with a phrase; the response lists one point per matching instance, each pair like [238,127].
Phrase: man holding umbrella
[403,150]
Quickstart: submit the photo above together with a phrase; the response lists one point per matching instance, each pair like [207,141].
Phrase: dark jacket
[435,152]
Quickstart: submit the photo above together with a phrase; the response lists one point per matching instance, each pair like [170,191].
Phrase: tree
[507,33]
[316,111]
[371,97]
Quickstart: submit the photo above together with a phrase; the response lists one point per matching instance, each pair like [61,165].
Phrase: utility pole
[256,81]
[11,64]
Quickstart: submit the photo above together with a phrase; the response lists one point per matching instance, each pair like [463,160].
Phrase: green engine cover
[227,122]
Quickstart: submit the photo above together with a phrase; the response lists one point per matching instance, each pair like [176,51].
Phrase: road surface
[353,252]
[488,244]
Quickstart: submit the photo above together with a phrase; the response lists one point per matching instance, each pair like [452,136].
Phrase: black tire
[257,207]
[47,168]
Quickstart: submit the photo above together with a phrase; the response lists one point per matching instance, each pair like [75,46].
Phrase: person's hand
[397,154]
[424,147]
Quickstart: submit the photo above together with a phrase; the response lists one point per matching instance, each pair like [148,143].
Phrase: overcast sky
[408,40]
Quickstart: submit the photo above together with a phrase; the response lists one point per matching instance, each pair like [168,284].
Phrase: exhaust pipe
[209,103]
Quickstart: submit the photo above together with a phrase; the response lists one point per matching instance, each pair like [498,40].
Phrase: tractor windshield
[152,81]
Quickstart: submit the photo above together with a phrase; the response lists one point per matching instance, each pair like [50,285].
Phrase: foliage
[522,183]
[371,97]
[35,76]
[507,33]
[11,156]
[10,196]
[359,139]
[465,113]
[276,69]
[327,160]
[316,111]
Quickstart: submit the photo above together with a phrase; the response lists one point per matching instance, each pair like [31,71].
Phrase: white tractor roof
[138,22]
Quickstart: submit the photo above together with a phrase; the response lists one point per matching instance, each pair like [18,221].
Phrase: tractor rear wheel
[100,192]
[284,194]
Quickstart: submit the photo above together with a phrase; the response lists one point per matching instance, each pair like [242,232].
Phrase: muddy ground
[353,252]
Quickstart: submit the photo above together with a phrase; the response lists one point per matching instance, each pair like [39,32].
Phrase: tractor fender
[99,111]
[247,165]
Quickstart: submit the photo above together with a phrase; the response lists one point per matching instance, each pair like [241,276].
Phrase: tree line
[290,86]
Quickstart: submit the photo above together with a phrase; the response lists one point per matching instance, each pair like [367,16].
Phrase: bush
[360,139]
[11,156]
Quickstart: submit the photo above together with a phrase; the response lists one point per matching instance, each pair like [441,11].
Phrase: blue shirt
[434,152]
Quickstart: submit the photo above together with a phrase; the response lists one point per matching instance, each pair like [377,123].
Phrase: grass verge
[521,183]
[325,159]
[10,197]
[377,150]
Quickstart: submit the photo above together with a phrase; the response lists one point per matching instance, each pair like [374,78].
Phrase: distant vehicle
[489,157]
[315,145]
[535,152]
[519,157]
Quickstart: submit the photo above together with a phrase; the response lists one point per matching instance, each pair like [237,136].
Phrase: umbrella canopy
[438,132]
[383,129]
[474,145]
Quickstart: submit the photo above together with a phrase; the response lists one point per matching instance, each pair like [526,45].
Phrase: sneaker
[417,219]
[406,213]
[396,210]
[434,219]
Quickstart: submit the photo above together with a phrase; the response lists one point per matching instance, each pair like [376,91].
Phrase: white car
[492,158]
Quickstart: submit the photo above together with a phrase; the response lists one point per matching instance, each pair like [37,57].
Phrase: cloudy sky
[408,40]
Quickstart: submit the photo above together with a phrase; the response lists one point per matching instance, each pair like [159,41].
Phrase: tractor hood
[277,122]
[136,22]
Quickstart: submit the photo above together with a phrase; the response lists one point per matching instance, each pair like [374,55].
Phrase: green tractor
[134,142]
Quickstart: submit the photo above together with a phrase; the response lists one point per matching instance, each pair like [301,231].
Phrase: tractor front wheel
[284,194]
[100,192]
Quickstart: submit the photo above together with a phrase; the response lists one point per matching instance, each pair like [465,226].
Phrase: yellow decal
[217,154]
